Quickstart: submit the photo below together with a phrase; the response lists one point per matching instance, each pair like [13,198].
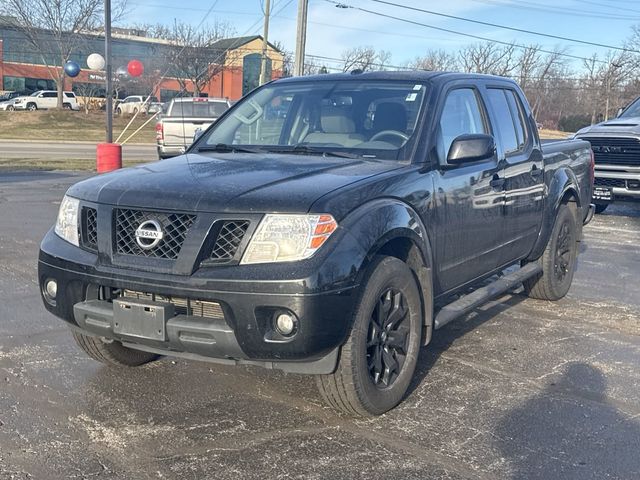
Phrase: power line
[455,32]
[574,12]
[505,27]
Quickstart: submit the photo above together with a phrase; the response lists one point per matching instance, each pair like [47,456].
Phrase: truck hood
[229,182]
[630,125]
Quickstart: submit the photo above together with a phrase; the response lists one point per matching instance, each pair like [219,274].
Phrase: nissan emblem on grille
[149,234]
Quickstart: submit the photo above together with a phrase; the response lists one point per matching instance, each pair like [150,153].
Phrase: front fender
[563,183]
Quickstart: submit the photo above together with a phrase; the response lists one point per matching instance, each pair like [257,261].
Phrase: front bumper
[243,335]
[624,181]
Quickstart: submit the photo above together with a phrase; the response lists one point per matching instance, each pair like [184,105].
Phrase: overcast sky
[331,30]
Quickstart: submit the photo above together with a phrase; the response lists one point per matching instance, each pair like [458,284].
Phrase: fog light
[50,291]
[285,323]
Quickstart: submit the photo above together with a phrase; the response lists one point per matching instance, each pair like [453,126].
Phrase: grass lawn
[70,126]
[55,164]
[546,134]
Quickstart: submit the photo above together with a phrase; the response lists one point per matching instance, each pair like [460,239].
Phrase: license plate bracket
[141,318]
[603,194]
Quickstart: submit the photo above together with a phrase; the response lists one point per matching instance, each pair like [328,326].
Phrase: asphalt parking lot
[519,389]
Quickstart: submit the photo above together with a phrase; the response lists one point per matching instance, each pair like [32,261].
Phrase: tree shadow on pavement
[570,431]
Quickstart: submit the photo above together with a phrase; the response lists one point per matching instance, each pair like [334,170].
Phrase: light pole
[107,69]
[265,43]
[301,37]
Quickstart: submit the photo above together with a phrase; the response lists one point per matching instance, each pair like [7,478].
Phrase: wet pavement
[518,389]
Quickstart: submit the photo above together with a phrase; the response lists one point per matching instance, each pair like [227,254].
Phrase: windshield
[633,110]
[376,119]
[198,108]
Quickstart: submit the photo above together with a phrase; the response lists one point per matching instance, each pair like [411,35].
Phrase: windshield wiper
[306,150]
[223,147]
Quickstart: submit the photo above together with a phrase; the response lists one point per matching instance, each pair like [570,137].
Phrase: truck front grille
[228,240]
[175,227]
[615,151]
[89,228]
[182,306]
[610,182]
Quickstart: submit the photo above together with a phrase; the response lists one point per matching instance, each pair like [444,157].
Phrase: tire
[601,207]
[119,111]
[113,353]
[363,384]
[558,261]
[32,107]
[66,106]
[11,108]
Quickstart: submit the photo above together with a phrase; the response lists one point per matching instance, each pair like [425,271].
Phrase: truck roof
[408,75]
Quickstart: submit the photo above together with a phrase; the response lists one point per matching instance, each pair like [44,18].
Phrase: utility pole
[265,42]
[107,69]
[301,38]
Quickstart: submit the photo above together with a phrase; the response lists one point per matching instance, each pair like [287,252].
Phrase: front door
[470,198]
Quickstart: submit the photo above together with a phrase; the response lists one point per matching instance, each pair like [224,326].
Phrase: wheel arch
[563,190]
[393,228]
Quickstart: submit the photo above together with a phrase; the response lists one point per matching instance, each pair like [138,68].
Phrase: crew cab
[325,225]
[44,100]
[616,146]
[185,117]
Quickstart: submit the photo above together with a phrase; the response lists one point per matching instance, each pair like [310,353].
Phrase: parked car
[330,240]
[7,99]
[616,146]
[135,103]
[45,99]
[176,129]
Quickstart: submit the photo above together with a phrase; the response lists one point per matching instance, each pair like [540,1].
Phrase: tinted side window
[461,114]
[50,95]
[504,120]
[517,113]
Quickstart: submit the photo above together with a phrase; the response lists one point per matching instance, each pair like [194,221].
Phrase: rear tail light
[159,132]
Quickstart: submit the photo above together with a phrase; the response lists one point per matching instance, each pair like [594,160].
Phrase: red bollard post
[109,157]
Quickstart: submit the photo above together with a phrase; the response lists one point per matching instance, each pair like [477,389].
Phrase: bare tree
[364,58]
[192,57]
[436,61]
[489,58]
[54,28]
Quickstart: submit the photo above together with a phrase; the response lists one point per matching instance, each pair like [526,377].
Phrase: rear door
[48,100]
[523,164]
[469,197]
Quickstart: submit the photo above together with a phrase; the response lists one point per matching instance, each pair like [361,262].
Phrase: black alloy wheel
[387,338]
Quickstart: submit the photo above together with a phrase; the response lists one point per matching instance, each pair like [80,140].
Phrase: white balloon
[95,61]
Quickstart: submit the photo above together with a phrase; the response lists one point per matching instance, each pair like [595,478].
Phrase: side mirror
[619,112]
[471,148]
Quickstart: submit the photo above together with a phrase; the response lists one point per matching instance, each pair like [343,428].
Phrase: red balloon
[135,68]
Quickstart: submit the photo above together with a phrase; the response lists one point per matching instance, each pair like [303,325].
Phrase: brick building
[238,59]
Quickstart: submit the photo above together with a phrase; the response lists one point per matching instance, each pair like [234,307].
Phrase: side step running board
[467,303]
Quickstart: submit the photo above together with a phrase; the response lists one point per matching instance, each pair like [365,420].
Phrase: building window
[19,84]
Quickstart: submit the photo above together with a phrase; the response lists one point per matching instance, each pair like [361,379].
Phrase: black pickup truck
[324,225]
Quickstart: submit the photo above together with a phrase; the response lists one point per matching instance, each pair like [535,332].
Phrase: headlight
[287,238]
[67,223]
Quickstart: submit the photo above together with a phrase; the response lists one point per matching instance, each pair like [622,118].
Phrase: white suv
[44,99]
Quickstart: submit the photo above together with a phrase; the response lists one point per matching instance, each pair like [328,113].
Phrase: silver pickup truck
[616,147]
[175,129]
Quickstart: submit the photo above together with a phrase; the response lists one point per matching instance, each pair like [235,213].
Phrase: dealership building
[236,62]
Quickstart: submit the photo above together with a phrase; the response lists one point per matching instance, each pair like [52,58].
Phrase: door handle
[497,182]
[536,172]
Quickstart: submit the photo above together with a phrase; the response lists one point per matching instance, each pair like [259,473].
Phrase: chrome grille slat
[610,182]
[183,306]
[175,227]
